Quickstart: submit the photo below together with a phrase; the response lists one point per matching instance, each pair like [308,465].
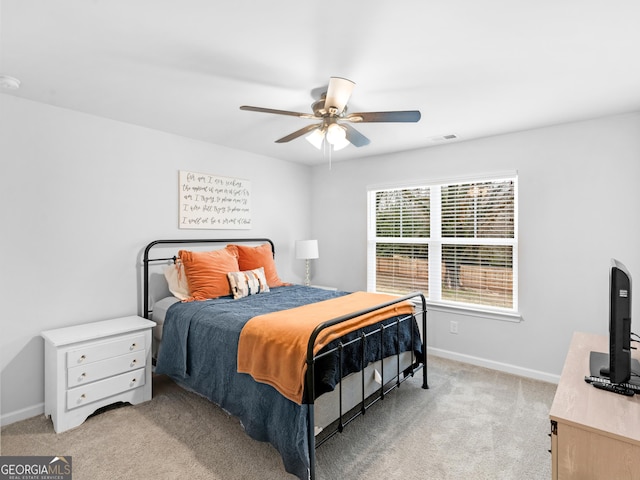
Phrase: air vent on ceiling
[441,138]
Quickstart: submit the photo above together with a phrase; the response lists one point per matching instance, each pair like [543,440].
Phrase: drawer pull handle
[82,358]
[83,396]
[133,362]
[133,345]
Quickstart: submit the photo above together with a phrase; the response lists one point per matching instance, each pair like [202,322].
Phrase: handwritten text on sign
[208,201]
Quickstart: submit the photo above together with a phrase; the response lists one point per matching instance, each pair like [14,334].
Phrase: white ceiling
[473,68]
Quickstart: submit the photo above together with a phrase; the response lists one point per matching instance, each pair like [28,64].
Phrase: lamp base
[307,273]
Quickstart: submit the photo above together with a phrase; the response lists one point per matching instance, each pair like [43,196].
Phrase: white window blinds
[468,232]
[402,220]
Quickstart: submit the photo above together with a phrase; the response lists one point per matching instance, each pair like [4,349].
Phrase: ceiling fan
[335,123]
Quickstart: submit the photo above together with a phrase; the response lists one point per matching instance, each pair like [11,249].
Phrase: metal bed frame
[365,401]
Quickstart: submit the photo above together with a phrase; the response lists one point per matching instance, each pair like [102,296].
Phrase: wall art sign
[213,202]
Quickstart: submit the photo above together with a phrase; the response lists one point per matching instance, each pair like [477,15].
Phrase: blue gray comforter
[199,350]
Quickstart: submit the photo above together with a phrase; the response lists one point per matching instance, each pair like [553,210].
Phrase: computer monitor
[619,323]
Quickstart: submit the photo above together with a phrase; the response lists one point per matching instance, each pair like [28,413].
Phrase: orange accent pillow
[207,272]
[250,258]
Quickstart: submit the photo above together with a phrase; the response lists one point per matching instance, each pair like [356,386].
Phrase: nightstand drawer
[102,351]
[83,374]
[80,396]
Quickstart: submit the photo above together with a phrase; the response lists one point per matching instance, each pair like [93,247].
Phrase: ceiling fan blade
[338,94]
[354,136]
[277,112]
[399,116]
[298,133]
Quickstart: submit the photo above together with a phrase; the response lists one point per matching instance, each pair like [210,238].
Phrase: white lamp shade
[316,138]
[335,133]
[306,249]
[340,144]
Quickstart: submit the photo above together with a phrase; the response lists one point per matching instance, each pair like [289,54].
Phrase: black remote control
[614,388]
[589,379]
[606,381]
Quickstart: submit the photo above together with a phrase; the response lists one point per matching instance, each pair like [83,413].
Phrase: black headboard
[147,259]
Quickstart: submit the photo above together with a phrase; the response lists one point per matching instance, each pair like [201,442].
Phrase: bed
[201,344]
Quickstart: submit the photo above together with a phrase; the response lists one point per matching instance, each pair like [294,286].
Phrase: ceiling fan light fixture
[316,138]
[335,134]
[337,142]
[340,144]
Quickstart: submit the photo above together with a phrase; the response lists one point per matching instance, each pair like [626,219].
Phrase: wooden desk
[595,433]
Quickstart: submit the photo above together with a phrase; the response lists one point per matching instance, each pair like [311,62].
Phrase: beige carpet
[472,423]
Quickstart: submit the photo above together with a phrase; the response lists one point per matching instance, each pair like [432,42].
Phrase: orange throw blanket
[273,347]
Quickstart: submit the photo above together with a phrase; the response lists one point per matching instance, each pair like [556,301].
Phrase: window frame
[436,241]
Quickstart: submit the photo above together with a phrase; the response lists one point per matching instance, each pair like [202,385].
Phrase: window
[455,242]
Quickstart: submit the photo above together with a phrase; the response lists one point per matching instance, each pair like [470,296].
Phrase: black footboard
[418,362]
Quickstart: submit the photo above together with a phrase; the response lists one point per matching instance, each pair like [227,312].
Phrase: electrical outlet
[453,327]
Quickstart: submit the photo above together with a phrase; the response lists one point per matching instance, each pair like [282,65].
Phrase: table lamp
[307,250]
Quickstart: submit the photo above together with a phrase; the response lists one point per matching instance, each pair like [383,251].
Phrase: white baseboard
[22,414]
[502,367]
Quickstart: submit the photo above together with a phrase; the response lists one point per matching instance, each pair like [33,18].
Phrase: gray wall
[579,196]
[80,198]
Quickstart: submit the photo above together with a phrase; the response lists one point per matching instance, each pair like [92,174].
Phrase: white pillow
[177,280]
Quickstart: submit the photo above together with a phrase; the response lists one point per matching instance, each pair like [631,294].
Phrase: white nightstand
[93,365]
